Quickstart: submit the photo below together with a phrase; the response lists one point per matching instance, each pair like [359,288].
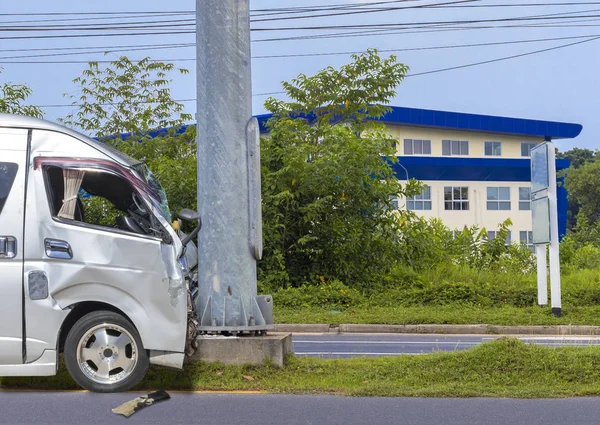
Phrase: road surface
[352,345]
[76,408]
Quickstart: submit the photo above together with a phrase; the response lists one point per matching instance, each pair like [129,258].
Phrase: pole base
[239,351]
[557,311]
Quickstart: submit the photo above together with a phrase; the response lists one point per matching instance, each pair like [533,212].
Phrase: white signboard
[540,211]
[545,222]
[539,168]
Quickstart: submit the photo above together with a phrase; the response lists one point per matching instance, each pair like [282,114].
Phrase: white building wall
[477,214]
[511,145]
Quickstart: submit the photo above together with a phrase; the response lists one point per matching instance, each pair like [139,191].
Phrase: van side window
[8,172]
[96,198]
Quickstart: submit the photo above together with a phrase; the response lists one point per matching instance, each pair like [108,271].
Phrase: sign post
[545,222]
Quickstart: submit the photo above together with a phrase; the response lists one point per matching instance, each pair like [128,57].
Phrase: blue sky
[560,85]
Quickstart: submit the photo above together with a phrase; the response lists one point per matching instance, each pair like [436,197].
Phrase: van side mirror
[189,215]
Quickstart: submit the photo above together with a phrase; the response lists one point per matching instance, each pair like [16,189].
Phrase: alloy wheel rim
[107,354]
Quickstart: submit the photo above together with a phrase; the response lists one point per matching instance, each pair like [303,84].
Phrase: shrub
[332,294]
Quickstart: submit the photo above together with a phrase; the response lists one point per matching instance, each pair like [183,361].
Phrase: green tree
[326,179]
[13,97]
[125,97]
[583,185]
[577,158]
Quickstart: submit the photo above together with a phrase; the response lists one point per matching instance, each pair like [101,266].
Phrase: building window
[420,202]
[524,198]
[417,147]
[394,202]
[492,235]
[492,148]
[498,198]
[526,148]
[455,147]
[456,198]
[526,238]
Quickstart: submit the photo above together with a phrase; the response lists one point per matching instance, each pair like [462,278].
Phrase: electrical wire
[291,55]
[435,71]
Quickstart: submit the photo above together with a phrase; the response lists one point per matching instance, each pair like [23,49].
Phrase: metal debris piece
[129,408]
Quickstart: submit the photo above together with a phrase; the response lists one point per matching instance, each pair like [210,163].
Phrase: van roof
[19,121]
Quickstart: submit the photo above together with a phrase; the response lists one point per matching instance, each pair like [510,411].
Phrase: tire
[104,353]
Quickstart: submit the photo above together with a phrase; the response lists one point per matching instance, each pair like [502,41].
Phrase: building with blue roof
[476,168]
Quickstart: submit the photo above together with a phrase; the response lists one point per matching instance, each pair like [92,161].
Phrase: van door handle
[8,247]
[58,249]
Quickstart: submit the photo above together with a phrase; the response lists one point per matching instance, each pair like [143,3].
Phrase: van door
[13,174]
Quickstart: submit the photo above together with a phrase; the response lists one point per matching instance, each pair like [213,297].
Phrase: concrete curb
[442,329]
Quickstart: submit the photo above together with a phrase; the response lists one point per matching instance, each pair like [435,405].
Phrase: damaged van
[113,297]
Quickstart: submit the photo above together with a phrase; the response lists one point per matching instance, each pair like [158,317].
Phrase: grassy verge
[452,314]
[502,368]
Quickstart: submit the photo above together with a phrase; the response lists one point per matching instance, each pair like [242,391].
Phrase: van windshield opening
[162,203]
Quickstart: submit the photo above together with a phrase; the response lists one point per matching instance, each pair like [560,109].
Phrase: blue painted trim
[467,168]
[152,134]
[562,205]
[470,122]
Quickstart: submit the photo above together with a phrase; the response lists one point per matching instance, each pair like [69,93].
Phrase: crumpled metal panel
[138,275]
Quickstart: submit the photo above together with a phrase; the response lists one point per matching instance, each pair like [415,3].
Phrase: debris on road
[129,408]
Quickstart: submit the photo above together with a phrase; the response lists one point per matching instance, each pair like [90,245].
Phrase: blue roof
[471,122]
[450,120]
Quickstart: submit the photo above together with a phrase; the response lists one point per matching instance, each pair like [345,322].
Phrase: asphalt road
[353,345]
[77,408]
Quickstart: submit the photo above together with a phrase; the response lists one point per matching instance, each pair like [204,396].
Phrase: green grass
[501,368]
[449,314]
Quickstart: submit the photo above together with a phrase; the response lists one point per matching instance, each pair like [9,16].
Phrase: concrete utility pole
[228,173]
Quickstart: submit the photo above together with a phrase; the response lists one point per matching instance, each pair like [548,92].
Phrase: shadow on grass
[195,376]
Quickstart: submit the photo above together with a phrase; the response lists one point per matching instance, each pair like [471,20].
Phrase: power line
[435,71]
[100,18]
[420,30]
[503,58]
[104,48]
[304,9]
[129,25]
[293,55]
[391,26]
[362,11]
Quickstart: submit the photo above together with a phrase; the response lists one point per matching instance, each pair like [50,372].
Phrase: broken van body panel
[63,261]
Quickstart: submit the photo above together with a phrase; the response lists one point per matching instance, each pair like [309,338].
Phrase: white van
[113,298]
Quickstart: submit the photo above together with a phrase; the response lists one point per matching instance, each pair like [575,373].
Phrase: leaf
[248,377]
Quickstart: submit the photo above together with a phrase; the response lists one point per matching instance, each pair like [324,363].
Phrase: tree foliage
[578,156]
[13,98]
[583,185]
[125,97]
[326,185]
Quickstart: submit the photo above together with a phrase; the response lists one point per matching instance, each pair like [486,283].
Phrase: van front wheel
[104,353]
